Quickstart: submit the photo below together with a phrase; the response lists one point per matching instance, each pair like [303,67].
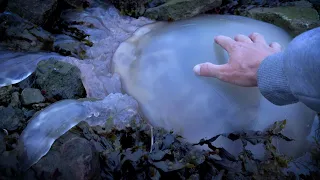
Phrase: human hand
[245,55]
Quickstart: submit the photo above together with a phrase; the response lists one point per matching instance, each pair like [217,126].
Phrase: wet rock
[71,157]
[8,165]
[5,95]
[181,9]
[15,100]
[19,34]
[31,96]
[28,113]
[40,106]
[36,11]
[295,19]
[10,118]
[59,80]
[68,46]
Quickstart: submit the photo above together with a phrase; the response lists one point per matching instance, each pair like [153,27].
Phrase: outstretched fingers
[257,38]
[225,42]
[242,38]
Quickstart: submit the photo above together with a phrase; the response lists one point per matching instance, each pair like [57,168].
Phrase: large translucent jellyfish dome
[155,66]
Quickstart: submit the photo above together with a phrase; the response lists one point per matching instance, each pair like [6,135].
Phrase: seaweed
[171,157]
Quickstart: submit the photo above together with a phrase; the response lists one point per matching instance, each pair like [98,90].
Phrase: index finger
[225,42]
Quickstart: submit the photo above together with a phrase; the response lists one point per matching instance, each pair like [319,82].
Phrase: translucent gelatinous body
[156,64]
[49,124]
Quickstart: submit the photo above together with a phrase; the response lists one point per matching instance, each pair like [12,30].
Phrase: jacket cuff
[272,81]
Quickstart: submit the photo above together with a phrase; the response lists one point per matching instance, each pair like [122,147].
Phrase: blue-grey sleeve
[293,75]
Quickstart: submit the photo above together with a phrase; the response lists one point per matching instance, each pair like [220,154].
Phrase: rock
[19,34]
[68,46]
[71,157]
[15,100]
[36,11]
[10,118]
[5,95]
[294,19]
[181,9]
[31,96]
[40,106]
[59,80]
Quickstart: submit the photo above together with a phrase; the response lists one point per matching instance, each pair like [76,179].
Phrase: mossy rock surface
[295,20]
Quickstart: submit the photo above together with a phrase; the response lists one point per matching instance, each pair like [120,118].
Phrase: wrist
[272,81]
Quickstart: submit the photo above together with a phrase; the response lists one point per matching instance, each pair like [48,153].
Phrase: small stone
[40,106]
[10,118]
[15,100]
[31,96]
[5,95]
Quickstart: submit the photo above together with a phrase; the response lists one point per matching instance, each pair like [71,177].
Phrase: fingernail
[196,69]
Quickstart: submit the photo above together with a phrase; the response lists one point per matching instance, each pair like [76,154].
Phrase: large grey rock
[36,11]
[295,19]
[31,96]
[10,118]
[59,80]
[72,157]
[19,34]
[181,9]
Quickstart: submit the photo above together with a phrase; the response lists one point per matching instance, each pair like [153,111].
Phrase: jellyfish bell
[155,66]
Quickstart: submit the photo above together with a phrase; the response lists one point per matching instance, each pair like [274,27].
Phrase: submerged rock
[181,9]
[36,11]
[294,19]
[59,80]
[21,35]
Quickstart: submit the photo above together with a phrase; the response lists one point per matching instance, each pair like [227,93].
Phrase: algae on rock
[295,20]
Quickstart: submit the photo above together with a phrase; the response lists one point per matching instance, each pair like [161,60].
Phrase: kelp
[171,157]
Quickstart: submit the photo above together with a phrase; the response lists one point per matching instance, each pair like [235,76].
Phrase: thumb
[209,69]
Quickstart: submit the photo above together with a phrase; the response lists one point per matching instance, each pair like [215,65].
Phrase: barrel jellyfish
[155,66]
